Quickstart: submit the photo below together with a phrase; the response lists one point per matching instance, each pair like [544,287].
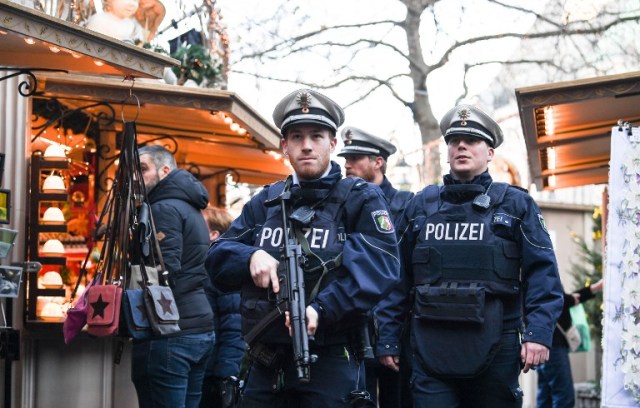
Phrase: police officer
[351,262]
[366,157]
[485,279]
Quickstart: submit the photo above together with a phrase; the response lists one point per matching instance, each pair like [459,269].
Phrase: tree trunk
[421,107]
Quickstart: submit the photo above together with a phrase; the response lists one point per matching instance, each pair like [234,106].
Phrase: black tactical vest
[325,236]
[457,244]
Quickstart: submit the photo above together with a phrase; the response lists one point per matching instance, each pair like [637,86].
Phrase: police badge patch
[383,221]
[542,223]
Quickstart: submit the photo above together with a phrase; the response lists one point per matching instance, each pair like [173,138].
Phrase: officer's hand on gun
[312,321]
[532,355]
[264,270]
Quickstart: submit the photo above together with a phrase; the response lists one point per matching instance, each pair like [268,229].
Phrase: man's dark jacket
[183,235]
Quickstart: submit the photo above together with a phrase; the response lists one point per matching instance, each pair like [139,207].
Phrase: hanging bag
[76,317]
[135,314]
[103,316]
[159,301]
[580,322]
[572,335]
[150,307]
[105,299]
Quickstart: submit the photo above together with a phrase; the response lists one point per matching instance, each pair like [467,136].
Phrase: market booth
[66,91]
[585,132]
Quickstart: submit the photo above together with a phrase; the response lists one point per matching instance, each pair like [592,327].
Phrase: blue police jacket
[362,230]
[397,199]
[516,218]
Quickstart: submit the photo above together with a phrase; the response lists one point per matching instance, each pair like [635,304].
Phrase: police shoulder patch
[382,221]
[542,223]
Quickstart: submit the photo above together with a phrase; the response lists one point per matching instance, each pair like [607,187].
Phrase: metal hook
[131,95]
[134,96]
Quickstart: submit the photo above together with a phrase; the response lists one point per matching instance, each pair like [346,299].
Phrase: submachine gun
[291,296]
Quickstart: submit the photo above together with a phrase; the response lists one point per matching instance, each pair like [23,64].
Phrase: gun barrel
[297,311]
[296,297]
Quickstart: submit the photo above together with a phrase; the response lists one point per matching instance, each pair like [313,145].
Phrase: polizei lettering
[272,237]
[455,231]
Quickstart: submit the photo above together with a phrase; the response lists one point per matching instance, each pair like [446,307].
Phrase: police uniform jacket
[176,202]
[362,231]
[537,301]
[396,199]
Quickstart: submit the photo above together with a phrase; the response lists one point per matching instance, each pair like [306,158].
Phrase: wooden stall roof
[33,39]
[207,125]
[567,127]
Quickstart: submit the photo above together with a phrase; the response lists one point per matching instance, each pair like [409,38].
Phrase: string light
[549,121]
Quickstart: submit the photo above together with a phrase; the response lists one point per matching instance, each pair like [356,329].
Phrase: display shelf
[36,226]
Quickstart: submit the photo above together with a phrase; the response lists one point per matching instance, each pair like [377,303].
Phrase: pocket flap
[164,303]
[102,307]
[420,255]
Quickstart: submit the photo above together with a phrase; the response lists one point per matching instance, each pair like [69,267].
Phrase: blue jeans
[497,386]
[168,372]
[555,383]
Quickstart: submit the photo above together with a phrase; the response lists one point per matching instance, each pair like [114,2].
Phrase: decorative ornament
[347,136]
[464,114]
[304,100]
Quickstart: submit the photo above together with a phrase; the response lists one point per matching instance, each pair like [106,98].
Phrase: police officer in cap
[478,257]
[366,157]
[351,257]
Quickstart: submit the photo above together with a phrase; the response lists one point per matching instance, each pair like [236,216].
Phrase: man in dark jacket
[168,371]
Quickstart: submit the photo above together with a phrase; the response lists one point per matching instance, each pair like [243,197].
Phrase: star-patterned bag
[161,309]
[103,311]
[135,314]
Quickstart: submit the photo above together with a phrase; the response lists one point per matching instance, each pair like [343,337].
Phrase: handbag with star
[129,243]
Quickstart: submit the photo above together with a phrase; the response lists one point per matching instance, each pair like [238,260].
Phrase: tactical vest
[325,238]
[457,245]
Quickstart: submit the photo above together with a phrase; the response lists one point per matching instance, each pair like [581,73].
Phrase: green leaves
[197,65]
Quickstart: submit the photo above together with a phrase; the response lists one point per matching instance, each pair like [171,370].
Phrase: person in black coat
[555,382]
[168,371]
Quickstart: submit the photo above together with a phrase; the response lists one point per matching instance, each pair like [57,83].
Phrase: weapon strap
[335,262]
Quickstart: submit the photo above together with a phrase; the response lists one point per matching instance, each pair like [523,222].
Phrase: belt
[332,350]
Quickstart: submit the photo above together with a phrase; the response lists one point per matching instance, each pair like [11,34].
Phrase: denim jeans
[168,372]
[555,382]
[497,386]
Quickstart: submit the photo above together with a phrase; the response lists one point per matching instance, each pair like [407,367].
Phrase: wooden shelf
[39,165]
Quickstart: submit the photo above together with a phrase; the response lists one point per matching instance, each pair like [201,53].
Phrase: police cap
[306,106]
[471,121]
[357,141]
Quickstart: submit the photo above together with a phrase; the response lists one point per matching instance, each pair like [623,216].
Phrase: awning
[567,127]
[215,131]
[30,39]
